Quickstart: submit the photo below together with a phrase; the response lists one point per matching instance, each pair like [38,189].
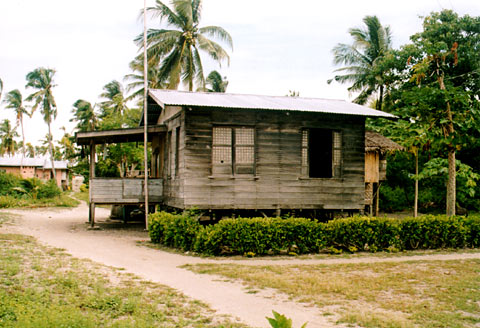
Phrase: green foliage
[466,178]
[393,199]
[268,236]
[432,232]
[8,182]
[363,233]
[172,230]
[48,190]
[261,236]
[281,321]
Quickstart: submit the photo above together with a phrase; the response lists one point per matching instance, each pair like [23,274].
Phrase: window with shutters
[322,153]
[233,150]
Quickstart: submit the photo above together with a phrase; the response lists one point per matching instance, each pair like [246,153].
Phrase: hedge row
[261,236]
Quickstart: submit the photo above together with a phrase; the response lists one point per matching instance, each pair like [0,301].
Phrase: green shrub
[268,236]
[173,230]
[363,234]
[261,236]
[83,188]
[8,182]
[432,232]
[48,190]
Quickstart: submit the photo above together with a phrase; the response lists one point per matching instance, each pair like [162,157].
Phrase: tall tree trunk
[415,204]
[23,135]
[50,147]
[451,184]
[380,98]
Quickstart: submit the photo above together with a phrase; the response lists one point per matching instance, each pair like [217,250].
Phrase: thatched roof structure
[376,142]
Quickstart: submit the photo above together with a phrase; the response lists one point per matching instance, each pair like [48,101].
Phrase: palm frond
[163,12]
[214,50]
[217,32]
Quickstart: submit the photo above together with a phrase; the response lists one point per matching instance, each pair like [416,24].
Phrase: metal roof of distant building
[28,161]
[240,101]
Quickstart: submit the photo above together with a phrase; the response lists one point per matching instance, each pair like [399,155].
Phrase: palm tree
[84,114]
[116,101]
[363,59]
[215,82]
[30,150]
[1,88]
[14,101]
[7,138]
[177,51]
[41,79]
[154,81]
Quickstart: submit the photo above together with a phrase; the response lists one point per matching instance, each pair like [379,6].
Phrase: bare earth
[117,246]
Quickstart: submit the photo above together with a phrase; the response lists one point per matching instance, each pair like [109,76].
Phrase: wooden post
[91,212]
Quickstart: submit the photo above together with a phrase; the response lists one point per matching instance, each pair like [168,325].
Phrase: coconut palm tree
[41,79]
[136,78]
[177,51]
[14,101]
[362,60]
[216,83]
[7,138]
[84,114]
[116,101]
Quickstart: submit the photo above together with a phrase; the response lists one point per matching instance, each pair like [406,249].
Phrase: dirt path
[117,246]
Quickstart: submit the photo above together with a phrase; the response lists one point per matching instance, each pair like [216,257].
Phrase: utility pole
[145,122]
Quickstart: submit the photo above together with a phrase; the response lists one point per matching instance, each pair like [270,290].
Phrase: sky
[279,45]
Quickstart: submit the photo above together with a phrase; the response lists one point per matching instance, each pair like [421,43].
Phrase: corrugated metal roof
[226,100]
[42,162]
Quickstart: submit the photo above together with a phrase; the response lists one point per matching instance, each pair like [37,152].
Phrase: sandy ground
[117,245]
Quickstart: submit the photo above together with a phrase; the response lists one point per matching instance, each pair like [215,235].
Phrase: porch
[122,190]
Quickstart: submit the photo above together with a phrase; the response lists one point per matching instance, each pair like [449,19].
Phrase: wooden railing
[125,190]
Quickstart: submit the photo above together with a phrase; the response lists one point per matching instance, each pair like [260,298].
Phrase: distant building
[40,168]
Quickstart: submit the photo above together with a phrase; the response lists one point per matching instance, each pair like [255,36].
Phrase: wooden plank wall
[125,191]
[173,183]
[278,183]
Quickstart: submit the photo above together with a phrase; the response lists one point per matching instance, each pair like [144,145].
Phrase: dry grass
[45,287]
[409,294]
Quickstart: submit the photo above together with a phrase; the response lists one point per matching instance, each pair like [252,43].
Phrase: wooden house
[376,149]
[221,152]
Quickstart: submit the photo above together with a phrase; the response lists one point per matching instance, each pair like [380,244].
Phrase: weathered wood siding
[125,191]
[173,167]
[278,181]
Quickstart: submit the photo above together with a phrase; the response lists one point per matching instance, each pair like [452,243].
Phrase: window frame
[233,165]
[337,153]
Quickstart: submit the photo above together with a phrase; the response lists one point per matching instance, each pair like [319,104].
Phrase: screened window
[321,153]
[233,150]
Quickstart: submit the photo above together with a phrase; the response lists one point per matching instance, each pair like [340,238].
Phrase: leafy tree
[446,68]
[7,138]
[136,78]
[30,150]
[1,88]
[14,100]
[41,79]
[84,115]
[177,51]
[67,146]
[215,82]
[116,102]
[363,60]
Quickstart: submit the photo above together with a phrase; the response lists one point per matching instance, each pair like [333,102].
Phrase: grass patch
[82,195]
[59,201]
[416,293]
[45,287]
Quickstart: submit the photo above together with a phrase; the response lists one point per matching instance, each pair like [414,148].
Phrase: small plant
[281,321]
